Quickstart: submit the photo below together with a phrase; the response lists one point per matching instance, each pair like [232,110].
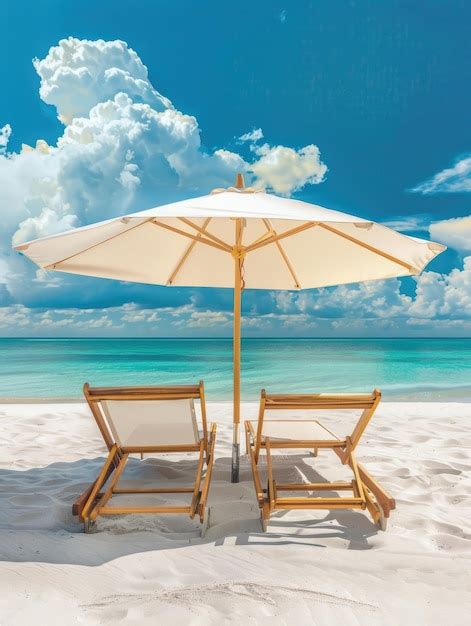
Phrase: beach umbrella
[238,237]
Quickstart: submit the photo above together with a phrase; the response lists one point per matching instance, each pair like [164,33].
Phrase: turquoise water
[404,369]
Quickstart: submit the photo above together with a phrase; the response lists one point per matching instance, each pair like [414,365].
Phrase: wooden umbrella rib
[283,235]
[52,266]
[367,246]
[282,251]
[198,238]
[204,232]
[186,254]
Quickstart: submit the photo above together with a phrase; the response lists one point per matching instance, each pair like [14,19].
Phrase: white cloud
[445,296]
[408,223]
[124,147]
[441,304]
[374,299]
[78,74]
[253,136]
[455,233]
[451,180]
[5,133]
[285,170]
[437,297]
[48,222]
[206,319]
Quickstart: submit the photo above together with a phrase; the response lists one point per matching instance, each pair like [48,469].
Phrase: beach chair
[299,433]
[148,420]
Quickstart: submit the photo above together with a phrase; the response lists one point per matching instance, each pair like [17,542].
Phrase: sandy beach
[316,567]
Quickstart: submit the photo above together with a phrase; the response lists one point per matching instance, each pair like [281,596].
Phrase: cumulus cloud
[130,318]
[444,295]
[437,297]
[78,74]
[285,170]
[5,133]
[441,303]
[374,299]
[451,180]
[253,136]
[455,232]
[48,222]
[125,147]
[408,223]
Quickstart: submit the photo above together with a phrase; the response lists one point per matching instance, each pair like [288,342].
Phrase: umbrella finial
[239,182]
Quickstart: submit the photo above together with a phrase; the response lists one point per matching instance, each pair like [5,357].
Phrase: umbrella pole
[236,365]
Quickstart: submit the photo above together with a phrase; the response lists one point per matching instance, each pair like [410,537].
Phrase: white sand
[310,568]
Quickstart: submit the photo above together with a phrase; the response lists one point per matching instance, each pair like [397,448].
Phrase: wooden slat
[319,501]
[190,447]
[124,510]
[150,389]
[304,443]
[308,504]
[314,486]
[321,396]
[124,490]
[273,406]
[148,396]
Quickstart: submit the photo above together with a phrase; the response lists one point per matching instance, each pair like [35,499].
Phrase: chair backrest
[144,417]
[367,402]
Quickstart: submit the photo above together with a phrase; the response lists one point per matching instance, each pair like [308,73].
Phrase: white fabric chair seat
[294,430]
[136,423]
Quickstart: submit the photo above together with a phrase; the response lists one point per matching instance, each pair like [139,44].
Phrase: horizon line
[229,338]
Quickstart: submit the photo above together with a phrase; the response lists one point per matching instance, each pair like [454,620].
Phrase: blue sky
[381,88]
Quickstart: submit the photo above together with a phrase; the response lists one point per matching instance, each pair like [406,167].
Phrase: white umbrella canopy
[240,238]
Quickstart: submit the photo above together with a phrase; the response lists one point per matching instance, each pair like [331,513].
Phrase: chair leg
[206,521]
[264,516]
[207,478]
[95,512]
[199,471]
[271,483]
[100,481]
[255,475]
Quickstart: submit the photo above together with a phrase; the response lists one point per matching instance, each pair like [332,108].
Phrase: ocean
[404,369]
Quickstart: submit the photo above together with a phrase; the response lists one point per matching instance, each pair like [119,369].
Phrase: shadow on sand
[36,522]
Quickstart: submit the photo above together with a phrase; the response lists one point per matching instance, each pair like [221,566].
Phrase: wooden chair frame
[366,492]
[93,501]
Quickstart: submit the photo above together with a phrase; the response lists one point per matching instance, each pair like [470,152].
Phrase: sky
[112,107]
